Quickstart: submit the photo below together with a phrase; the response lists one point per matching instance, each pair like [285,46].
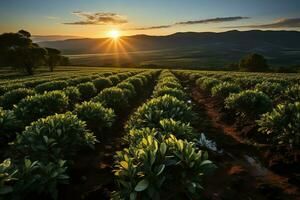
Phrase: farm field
[121,133]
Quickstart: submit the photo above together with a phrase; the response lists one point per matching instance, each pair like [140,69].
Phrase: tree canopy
[18,51]
[253,62]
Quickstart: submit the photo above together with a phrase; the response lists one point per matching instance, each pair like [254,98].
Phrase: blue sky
[94,18]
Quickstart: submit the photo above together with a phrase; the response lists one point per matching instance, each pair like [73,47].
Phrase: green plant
[146,170]
[179,94]
[206,83]
[7,177]
[249,104]
[55,137]
[179,129]
[73,95]
[8,124]
[114,98]
[50,86]
[95,115]
[273,90]
[9,87]
[114,79]
[87,90]
[136,82]
[13,97]
[165,107]
[101,83]
[224,89]
[34,107]
[28,178]
[292,94]
[282,125]
[127,86]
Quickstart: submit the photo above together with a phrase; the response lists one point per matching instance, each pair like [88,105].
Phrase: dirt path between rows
[240,173]
[92,176]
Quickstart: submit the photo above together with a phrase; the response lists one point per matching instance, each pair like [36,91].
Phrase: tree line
[17,50]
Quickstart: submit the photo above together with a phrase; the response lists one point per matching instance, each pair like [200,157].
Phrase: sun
[114,34]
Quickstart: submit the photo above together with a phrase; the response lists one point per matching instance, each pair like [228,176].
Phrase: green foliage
[114,98]
[146,170]
[34,107]
[124,85]
[9,87]
[136,82]
[50,86]
[8,124]
[206,83]
[95,115]
[101,83]
[282,124]
[179,94]
[224,89]
[13,97]
[114,79]
[292,94]
[87,90]
[28,178]
[73,95]
[253,63]
[78,80]
[165,107]
[249,104]
[273,90]
[55,137]
[177,128]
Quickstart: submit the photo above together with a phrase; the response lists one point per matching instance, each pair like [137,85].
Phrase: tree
[253,62]
[18,51]
[27,58]
[53,58]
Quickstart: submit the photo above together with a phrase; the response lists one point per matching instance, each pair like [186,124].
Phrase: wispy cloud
[280,23]
[98,18]
[212,20]
[151,27]
[191,22]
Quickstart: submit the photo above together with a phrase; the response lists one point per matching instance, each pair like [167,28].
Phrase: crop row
[31,106]
[161,160]
[49,144]
[272,104]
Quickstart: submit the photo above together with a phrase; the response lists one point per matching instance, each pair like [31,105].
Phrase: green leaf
[124,164]
[161,169]
[142,185]
[163,148]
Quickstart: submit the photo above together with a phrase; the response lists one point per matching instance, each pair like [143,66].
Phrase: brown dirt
[241,173]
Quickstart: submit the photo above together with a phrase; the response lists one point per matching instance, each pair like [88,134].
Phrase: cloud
[280,23]
[151,27]
[212,20]
[99,18]
[202,21]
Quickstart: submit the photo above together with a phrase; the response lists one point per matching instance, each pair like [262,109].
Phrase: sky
[96,18]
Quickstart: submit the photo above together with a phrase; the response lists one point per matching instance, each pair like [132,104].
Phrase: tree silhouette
[17,50]
[253,62]
[53,58]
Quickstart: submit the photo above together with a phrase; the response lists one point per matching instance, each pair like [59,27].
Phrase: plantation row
[31,83]
[161,160]
[270,102]
[30,105]
[50,143]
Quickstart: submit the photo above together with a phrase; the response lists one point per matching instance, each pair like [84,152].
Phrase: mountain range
[183,48]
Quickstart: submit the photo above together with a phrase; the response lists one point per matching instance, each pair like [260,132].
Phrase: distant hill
[196,48]
[43,38]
